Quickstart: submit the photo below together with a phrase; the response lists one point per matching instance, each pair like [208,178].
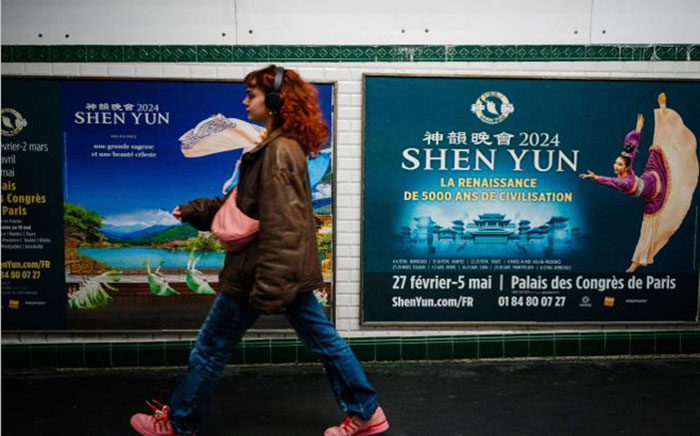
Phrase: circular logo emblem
[492,107]
[585,299]
[12,122]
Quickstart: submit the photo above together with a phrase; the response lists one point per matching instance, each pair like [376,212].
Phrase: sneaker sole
[375,429]
[138,428]
[144,431]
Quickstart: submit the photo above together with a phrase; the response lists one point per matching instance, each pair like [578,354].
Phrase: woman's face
[620,167]
[254,103]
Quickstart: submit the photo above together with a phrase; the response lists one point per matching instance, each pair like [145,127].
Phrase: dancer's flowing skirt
[675,160]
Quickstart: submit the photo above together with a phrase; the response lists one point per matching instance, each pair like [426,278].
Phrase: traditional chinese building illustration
[423,230]
[491,228]
[491,234]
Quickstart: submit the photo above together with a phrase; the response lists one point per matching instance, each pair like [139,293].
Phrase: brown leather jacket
[273,187]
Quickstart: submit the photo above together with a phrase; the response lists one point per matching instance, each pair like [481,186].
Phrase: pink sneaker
[153,425]
[354,426]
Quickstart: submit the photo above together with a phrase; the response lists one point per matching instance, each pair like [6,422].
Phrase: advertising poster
[32,212]
[125,154]
[525,200]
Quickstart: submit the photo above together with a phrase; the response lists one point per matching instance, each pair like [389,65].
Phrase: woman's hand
[177,214]
[589,175]
[640,123]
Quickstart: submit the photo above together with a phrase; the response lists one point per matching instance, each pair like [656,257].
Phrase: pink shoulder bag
[234,229]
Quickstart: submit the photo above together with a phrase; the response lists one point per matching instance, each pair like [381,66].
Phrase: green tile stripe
[347,53]
[374,349]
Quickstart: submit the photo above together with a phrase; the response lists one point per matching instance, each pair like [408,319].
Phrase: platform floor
[642,396]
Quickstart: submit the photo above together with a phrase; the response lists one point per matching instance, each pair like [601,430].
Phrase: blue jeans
[228,319]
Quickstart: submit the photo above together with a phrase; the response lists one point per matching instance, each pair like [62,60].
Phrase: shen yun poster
[124,154]
[524,200]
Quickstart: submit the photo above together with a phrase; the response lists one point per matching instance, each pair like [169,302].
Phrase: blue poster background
[589,234]
[111,186]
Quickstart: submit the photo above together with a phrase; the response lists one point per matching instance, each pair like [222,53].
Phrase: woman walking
[275,273]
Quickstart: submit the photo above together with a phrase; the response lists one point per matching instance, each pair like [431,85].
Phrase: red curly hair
[300,117]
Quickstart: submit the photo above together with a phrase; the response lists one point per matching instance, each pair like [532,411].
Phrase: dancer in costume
[667,184]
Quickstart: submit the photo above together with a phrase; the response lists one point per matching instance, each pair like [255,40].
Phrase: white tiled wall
[348,77]
[348,22]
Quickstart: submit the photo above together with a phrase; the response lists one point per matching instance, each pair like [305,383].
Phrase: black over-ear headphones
[273,98]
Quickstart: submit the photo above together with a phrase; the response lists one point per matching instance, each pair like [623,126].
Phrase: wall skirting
[371,349]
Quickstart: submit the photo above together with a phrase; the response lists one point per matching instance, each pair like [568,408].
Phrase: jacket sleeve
[200,212]
[283,221]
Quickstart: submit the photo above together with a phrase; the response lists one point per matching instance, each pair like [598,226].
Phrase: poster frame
[333,129]
[502,325]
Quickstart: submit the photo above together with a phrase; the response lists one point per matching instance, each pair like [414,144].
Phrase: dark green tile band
[322,53]
[286,53]
[265,351]
[348,53]
[178,53]
[516,346]
[30,53]
[69,53]
[103,53]
[567,344]
[214,53]
[7,53]
[142,53]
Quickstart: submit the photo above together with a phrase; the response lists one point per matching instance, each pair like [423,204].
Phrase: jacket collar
[273,135]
